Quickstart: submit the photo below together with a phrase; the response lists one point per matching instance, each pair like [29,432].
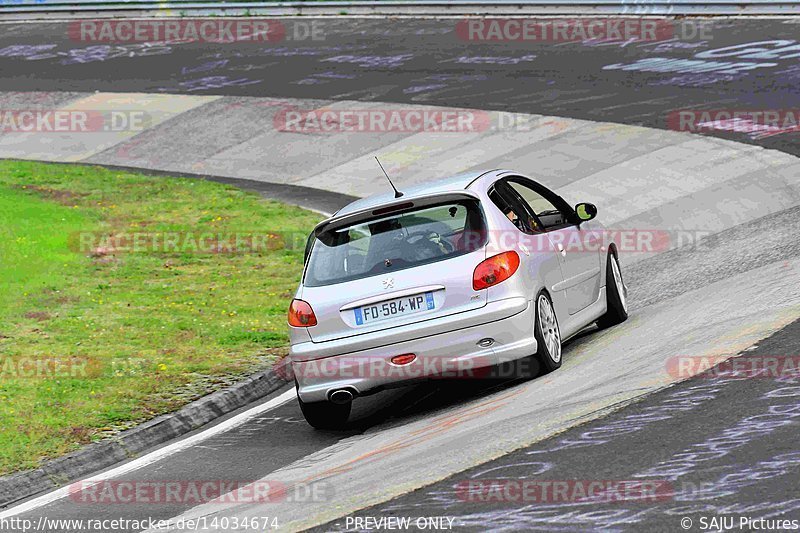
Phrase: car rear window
[396,241]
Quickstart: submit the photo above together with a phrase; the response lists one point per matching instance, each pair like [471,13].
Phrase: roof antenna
[397,194]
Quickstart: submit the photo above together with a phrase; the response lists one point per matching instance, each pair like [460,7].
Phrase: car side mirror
[585,211]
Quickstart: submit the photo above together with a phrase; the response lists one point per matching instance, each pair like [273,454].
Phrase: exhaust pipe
[341,396]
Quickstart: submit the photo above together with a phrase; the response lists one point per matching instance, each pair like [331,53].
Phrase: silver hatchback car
[450,279]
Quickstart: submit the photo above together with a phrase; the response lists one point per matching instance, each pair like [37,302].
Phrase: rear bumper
[491,312]
[451,354]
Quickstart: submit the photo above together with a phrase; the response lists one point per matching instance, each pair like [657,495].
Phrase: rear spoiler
[400,204]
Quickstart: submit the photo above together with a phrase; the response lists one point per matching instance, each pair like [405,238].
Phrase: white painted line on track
[152,457]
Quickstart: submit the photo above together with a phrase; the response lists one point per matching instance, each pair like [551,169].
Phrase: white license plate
[407,305]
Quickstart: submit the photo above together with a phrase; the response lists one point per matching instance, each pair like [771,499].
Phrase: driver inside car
[520,224]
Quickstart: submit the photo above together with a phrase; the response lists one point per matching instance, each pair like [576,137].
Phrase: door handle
[562,250]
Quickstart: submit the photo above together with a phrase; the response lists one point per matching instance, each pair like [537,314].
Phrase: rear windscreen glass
[394,242]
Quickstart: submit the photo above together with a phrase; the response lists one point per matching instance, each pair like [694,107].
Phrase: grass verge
[99,331]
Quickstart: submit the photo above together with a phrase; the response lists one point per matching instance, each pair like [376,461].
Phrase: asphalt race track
[406,453]
[689,437]
[430,61]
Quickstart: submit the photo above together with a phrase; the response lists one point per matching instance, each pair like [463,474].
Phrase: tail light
[403,359]
[301,315]
[494,270]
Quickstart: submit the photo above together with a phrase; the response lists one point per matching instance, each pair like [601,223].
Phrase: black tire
[325,415]
[617,304]
[545,328]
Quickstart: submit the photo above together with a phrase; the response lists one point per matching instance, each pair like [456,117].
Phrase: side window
[512,207]
[548,214]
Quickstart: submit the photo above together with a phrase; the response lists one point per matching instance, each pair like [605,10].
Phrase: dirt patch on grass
[41,316]
[80,434]
[61,196]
